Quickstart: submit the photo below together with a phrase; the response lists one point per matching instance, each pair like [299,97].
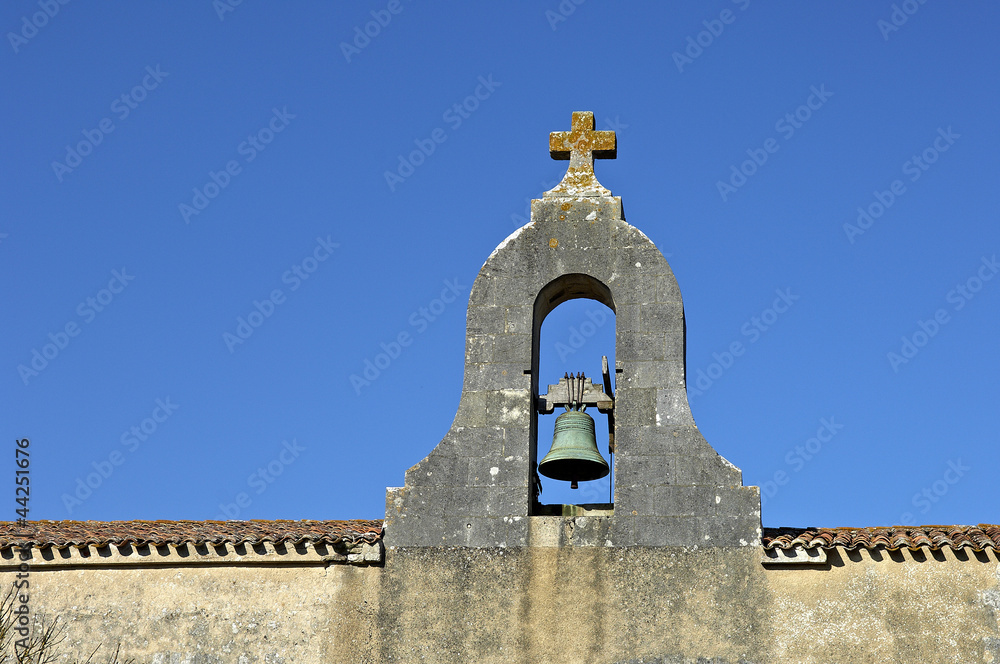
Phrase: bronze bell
[574,456]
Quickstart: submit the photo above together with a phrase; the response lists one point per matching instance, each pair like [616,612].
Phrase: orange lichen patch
[978,538]
[581,146]
[582,140]
[155,533]
[566,206]
[579,182]
[553,243]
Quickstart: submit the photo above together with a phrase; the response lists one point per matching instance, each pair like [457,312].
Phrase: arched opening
[574,326]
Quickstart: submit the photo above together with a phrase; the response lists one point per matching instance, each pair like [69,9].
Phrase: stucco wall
[540,604]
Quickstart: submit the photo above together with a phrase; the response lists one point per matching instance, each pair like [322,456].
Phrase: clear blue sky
[197,160]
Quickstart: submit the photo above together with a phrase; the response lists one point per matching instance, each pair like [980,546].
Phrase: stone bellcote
[476,487]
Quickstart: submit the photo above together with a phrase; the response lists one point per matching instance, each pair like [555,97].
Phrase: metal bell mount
[574,456]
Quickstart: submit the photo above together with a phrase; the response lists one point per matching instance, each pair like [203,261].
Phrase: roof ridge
[978,537]
[159,532]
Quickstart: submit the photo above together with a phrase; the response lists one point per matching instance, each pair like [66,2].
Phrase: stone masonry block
[707,470]
[620,530]
[652,374]
[685,501]
[626,236]
[528,260]
[472,408]
[572,213]
[496,470]
[626,319]
[508,501]
[429,500]
[394,502]
[475,532]
[485,320]
[640,260]
[480,294]
[595,262]
[422,530]
[641,288]
[466,501]
[479,348]
[667,531]
[635,500]
[641,441]
[455,531]
[513,349]
[493,376]
[743,530]
[488,532]
[435,469]
[516,443]
[667,289]
[645,471]
[637,347]
[518,473]
[689,441]
[672,407]
[589,530]
[738,501]
[518,320]
[663,440]
[676,349]
[510,408]
[661,316]
[515,291]
[472,441]
[635,407]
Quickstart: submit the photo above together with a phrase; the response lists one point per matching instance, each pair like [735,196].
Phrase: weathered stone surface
[577,245]
[560,597]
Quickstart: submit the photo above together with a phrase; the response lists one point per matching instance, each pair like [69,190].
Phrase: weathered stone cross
[581,146]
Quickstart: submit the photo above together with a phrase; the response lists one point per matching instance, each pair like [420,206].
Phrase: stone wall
[544,604]
[671,487]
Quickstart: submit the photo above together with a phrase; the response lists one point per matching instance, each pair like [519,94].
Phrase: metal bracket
[593,395]
[611,413]
[599,396]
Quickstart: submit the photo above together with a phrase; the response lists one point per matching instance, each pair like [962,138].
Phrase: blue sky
[172,169]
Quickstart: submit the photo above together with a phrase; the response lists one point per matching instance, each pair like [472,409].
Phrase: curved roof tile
[102,533]
[978,538]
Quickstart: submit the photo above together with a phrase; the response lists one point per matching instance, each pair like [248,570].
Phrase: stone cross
[581,146]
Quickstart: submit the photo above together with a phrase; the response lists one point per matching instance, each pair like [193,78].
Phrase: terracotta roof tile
[102,533]
[977,538]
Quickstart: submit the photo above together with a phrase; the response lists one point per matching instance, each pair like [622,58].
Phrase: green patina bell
[574,456]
